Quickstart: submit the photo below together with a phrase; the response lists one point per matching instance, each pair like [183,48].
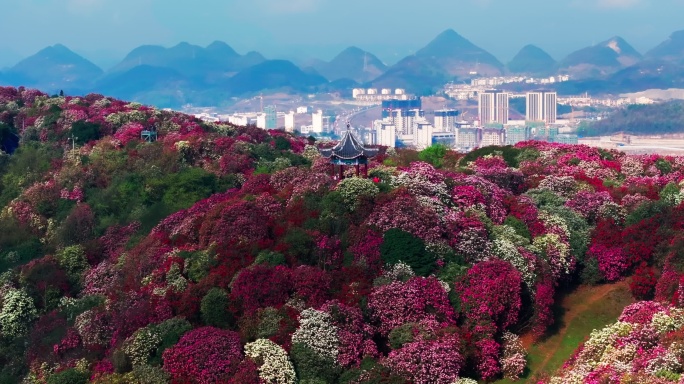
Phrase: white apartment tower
[261,120]
[422,135]
[445,120]
[541,106]
[493,107]
[385,133]
[290,121]
[317,122]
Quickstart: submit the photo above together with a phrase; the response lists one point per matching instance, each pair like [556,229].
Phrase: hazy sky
[105,30]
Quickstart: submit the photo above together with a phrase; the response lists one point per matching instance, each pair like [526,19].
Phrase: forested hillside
[637,119]
[224,254]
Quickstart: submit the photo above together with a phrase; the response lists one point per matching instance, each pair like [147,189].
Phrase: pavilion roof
[349,147]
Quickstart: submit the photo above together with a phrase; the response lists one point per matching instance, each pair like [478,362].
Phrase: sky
[104,31]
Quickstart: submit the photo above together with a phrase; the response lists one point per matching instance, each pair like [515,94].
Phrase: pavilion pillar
[341,171]
[332,169]
[365,170]
[357,169]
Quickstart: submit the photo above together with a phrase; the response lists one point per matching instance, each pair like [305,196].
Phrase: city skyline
[104,30]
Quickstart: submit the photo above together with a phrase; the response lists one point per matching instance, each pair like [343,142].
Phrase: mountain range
[186,73]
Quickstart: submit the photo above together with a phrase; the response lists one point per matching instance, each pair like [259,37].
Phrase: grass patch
[585,309]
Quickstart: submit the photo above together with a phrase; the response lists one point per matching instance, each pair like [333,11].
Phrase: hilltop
[221,253]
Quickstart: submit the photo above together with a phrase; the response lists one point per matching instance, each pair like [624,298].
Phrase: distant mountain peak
[459,56]
[532,60]
[601,59]
[671,49]
[352,63]
[621,46]
[55,67]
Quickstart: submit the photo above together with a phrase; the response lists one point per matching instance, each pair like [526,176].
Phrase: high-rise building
[271,117]
[550,107]
[493,107]
[317,122]
[422,135]
[385,133]
[261,120]
[290,121]
[445,120]
[541,106]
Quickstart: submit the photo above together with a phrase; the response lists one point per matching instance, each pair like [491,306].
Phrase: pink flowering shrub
[641,312]
[404,213]
[488,358]
[128,133]
[612,261]
[588,203]
[429,361]
[355,336]
[240,222]
[204,356]
[101,279]
[417,299]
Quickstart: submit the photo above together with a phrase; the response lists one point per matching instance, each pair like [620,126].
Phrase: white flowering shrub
[141,344]
[507,251]
[311,152]
[664,362]
[600,340]
[555,251]
[353,188]
[663,323]
[175,279]
[513,361]
[18,311]
[316,330]
[465,380]
[275,366]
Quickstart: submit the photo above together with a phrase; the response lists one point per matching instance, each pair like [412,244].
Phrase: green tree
[214,308]
[69,376]
[85,131]
[398,245]
[434,154]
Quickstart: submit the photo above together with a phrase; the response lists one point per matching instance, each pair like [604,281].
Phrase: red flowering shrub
[261,286]
[643,282]
[543,306]
[311,285]
[204,356]
[490,292]
[238,223]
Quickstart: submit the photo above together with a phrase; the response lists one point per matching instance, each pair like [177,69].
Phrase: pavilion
[349,151]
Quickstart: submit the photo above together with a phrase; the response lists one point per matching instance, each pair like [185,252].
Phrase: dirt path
[574,304]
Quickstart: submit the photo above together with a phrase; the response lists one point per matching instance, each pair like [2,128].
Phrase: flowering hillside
[224,254]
